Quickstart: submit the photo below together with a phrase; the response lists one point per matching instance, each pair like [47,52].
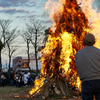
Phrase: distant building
[21,63]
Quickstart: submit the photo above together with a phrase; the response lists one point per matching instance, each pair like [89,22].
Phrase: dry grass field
[10,92]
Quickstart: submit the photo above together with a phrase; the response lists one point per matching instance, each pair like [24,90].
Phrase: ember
[66,38]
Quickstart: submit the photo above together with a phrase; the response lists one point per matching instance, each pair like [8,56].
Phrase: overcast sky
[21,10]
[97,4]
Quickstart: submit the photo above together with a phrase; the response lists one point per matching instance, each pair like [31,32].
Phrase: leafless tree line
[33,34]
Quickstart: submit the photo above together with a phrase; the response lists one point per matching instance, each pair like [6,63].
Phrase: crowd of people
[18,79]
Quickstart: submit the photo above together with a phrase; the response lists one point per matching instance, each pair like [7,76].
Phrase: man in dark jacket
[11,78]
[20,78]
[88,68]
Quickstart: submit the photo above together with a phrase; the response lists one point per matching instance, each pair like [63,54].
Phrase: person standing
[3,78]
[15,73]
[26,79]
[88,68]
[30,80]
[11,78]
[20,78]
[17,80]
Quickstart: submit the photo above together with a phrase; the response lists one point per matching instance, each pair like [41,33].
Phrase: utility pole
[6,65]
[36,52]
[28,41]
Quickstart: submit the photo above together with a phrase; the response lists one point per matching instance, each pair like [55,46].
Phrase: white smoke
[92,13]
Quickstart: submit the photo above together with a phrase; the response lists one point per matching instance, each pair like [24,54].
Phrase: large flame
[71,21]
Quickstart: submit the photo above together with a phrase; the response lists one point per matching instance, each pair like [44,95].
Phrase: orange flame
[38,83]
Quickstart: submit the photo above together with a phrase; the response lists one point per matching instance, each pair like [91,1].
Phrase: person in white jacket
[26,76]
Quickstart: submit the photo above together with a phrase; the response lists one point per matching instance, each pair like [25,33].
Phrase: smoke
[54,7]
[92,12]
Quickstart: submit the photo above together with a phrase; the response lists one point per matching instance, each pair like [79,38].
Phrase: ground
[22,93]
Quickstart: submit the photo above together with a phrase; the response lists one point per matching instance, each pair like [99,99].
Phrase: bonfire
[58,71]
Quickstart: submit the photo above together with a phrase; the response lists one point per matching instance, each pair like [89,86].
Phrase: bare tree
[3,39]
[26,38]
[7,37]
[1,47]
[12,35]
[34,32]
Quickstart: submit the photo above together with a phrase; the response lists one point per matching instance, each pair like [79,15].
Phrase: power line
[22,46]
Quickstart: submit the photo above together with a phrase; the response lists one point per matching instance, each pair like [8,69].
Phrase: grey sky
[20,11]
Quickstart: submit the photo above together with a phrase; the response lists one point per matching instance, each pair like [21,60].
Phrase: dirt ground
[25,96]
[22,93]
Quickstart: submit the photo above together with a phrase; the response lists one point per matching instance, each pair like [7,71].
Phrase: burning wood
[58,61]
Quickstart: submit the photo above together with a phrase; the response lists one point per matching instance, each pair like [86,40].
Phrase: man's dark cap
[89,39]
